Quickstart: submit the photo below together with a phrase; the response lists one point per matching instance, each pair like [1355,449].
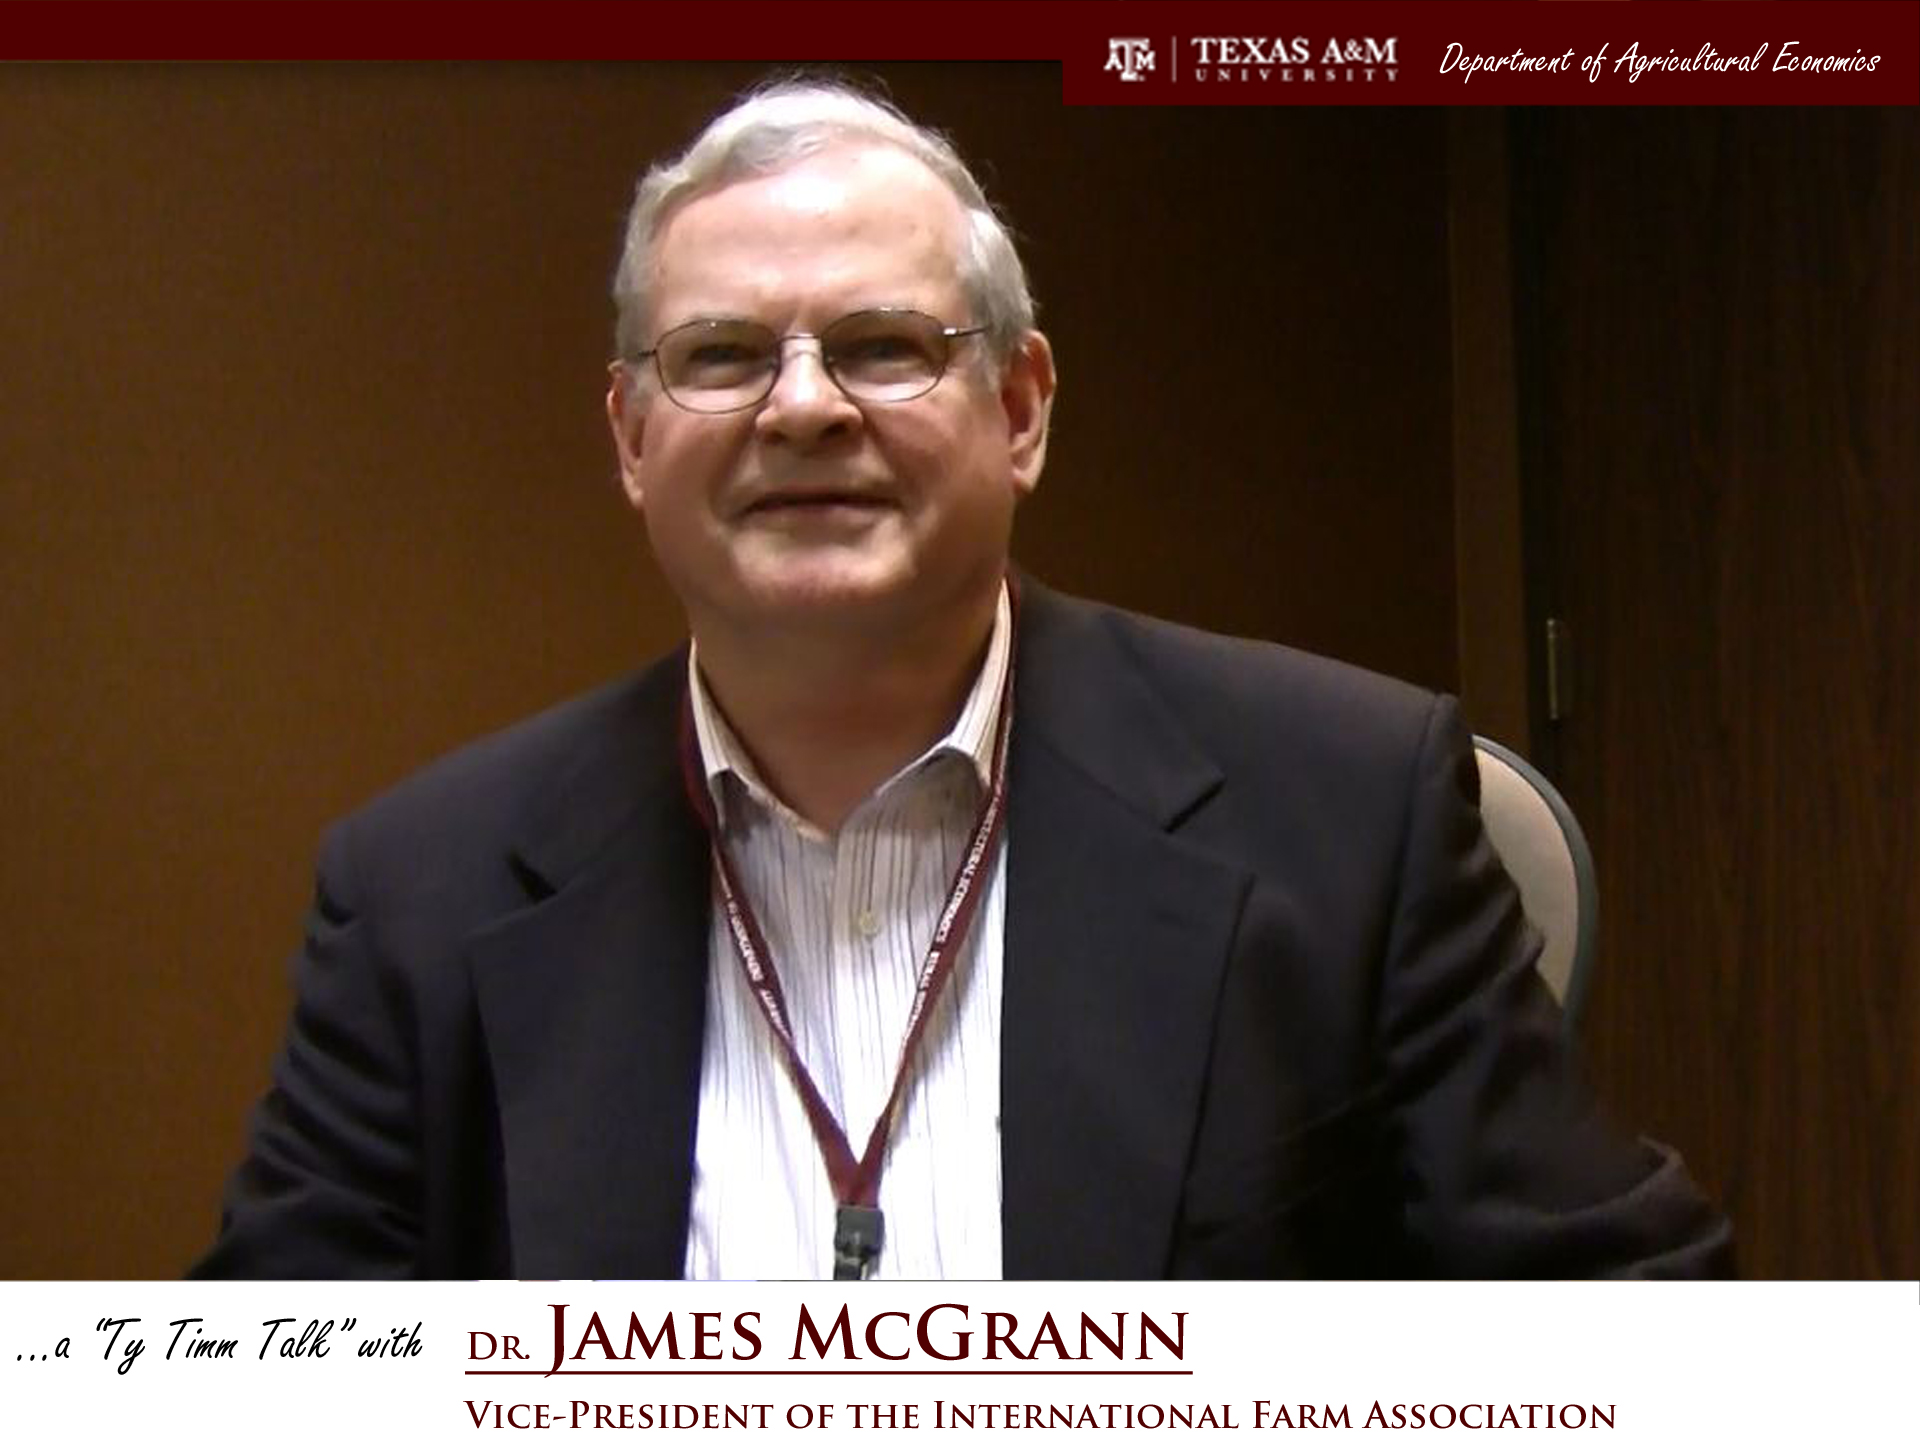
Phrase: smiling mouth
[817,501]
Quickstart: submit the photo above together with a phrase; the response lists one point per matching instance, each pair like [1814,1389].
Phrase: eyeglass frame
[947,333]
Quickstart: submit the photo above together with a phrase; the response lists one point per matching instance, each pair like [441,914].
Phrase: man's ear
[1026,395]
[627,414]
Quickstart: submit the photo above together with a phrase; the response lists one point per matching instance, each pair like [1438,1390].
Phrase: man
[917,921]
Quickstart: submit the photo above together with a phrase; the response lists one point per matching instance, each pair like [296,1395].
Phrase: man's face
[813,508]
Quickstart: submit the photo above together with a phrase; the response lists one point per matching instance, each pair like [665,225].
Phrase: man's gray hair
[782,124]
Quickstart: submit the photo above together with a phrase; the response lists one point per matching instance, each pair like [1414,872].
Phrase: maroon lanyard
[858,1229]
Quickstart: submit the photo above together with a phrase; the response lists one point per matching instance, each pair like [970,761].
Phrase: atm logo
[1131,57]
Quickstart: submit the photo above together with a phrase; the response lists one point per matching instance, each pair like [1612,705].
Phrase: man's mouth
[804,499]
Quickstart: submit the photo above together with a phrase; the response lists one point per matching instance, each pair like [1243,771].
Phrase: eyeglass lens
[881,355]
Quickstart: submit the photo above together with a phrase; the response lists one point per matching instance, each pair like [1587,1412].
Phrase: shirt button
[867,923]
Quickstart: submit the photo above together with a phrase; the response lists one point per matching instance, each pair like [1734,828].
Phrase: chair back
[1543,849]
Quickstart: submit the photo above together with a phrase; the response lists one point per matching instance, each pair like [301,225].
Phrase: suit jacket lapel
[592,1000]
[1117,934]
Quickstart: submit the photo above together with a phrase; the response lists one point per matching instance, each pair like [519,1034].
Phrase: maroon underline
[871,1374]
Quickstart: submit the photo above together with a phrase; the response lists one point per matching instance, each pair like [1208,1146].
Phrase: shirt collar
[971,737]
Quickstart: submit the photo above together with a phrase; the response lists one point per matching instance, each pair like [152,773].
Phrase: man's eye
[881,351]
[879,346]
[718,353]
[720,364]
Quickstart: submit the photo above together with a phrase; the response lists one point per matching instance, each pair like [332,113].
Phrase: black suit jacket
[1270,1006]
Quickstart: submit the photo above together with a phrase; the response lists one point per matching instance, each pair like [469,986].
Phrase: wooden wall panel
[1496,689]
[1721,363]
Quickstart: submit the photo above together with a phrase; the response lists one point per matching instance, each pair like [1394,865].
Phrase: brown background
[303,480]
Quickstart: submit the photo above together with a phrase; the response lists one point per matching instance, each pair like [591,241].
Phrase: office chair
[1540,843]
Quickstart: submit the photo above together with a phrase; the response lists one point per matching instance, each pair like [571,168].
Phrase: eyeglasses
[714,366]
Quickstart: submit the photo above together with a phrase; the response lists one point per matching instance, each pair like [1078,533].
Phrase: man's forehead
[871,211]
[851,183]
[835,171]
[807,188]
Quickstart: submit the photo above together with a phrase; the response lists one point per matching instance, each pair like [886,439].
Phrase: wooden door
[1719,361]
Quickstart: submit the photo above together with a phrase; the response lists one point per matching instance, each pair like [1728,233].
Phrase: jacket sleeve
[329,1187]
[1510,1166]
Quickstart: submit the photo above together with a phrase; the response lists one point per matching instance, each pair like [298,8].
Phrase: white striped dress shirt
[848,918]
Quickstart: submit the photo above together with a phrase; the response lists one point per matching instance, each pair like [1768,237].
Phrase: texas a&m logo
[1132,58]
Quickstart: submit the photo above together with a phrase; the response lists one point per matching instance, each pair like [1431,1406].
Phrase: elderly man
[916,921]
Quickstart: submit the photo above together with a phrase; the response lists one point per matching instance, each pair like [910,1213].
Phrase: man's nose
[805,405]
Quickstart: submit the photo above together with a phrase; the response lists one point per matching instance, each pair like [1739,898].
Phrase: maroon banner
[1121,52]
[1494,52]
